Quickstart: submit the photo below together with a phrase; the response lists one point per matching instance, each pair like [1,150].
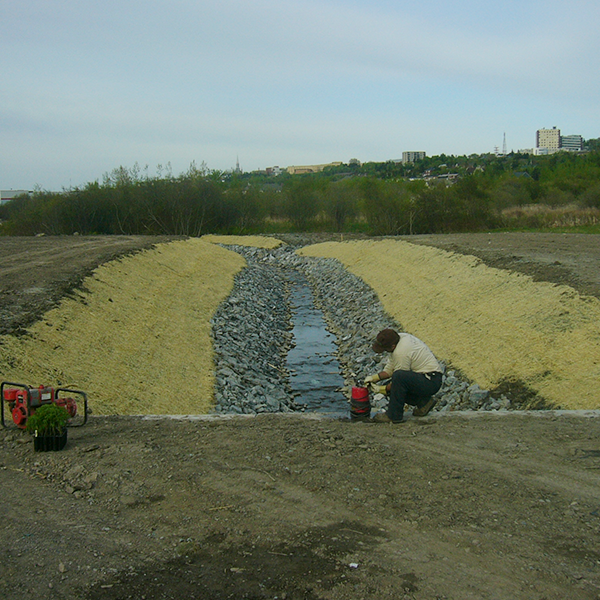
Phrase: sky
[89,86]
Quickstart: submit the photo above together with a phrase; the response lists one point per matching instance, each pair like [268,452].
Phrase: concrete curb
[469,414]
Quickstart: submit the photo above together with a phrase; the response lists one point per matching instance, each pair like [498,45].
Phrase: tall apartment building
[410,157]
[548,139]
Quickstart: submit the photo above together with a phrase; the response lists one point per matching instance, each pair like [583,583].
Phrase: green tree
[341,203]
[302,201]
[387,206]
[510,189]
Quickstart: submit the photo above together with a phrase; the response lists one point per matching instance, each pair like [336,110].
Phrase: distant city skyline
[547,141]
[88,87]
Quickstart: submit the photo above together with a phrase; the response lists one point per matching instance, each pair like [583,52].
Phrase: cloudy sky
[90,85]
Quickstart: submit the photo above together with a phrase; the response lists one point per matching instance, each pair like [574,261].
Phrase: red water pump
[23,400]
[360,404]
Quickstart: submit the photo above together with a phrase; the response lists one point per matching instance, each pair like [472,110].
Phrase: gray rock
[252,335]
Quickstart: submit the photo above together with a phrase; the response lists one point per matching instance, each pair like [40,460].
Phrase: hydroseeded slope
[138,339]
[492,324]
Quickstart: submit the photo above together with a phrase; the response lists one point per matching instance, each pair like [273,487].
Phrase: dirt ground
[498,506]
[566,259]
[36,272]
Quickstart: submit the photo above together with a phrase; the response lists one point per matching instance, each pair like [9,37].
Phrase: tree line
[442,194]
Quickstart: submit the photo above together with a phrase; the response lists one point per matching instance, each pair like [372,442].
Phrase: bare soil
[567,259]
[36,272]
[499,506]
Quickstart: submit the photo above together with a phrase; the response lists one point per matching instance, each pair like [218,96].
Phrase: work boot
[425,409]
[383,418]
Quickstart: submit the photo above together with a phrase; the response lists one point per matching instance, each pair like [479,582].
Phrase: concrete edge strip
[581,413]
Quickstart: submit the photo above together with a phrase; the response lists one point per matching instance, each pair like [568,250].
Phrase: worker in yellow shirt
[415,374]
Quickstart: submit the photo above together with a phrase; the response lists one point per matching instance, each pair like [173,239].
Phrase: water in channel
[314,371]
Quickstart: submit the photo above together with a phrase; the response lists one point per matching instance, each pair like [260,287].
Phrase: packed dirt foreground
[457,506]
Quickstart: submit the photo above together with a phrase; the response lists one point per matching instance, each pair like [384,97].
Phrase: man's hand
[372,378]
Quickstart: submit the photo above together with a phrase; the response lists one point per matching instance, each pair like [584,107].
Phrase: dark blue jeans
[411,388]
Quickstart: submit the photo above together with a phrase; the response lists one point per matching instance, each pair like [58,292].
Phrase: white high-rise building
[548,139]
[410,157]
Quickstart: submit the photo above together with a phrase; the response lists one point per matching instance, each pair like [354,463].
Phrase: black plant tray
[45,443]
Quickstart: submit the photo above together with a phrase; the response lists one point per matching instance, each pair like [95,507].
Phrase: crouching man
[415,372]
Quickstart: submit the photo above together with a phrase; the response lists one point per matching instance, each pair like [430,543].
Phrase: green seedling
[49,419]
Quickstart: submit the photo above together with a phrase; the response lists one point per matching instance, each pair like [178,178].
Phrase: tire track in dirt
[524,459]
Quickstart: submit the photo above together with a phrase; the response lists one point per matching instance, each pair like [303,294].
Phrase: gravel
[252,335]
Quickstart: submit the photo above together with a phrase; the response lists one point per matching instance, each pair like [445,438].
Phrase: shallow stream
[315,374]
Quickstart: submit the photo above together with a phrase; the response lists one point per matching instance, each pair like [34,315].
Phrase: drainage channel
[315,374]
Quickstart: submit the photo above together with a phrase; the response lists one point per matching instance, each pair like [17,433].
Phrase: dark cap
[385,341]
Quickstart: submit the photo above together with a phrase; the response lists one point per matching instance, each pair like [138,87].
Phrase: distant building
[571,143]
[8,195]
[237,170]
[547,139]
[449,177]
[301,170]
[411,157]
[274,171]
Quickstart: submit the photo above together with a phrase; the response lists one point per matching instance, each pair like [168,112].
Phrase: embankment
[494,325]
[137,338]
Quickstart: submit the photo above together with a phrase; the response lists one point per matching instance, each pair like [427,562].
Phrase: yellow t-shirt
[411,354]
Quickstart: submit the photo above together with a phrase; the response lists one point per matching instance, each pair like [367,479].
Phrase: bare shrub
[542,215]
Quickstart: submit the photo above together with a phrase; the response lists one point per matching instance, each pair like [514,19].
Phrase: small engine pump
[23,400]
[360,403]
